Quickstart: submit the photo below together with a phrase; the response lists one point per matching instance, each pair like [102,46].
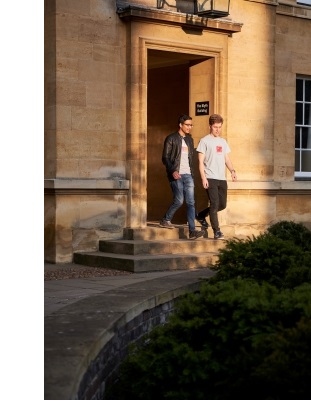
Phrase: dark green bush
[237,339]
[281,257]
[247,335]
[297,233]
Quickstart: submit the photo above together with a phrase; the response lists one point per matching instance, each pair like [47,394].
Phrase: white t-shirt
[184,160]
[214,148]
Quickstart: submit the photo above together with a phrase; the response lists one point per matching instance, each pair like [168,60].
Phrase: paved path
[61,293]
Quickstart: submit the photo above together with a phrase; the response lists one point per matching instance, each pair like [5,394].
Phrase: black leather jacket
[172,153]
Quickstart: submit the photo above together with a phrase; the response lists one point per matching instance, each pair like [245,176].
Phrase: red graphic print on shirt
[219,149]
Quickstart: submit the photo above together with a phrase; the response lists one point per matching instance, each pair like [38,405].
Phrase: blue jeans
[183,189]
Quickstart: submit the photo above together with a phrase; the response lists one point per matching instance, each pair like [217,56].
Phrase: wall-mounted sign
[202,108]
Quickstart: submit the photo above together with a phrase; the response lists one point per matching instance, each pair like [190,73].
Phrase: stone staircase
[153,249]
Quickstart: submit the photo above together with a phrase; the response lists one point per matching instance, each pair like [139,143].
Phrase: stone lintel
[184,20]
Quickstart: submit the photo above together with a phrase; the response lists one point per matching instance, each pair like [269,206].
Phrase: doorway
[175,82]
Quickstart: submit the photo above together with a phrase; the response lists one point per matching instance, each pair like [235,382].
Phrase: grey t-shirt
[214,148]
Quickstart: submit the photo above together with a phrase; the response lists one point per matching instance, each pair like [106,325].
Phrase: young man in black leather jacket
[177,156]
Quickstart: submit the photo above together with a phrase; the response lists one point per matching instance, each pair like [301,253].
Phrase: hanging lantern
[212,8]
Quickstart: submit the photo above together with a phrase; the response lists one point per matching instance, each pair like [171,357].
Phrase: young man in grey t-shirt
[213,154]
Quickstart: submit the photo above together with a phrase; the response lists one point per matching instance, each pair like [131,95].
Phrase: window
[303,129]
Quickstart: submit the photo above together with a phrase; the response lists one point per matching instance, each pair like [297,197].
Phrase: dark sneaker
[218,235]
[166,224]
[195,234]
[202,222]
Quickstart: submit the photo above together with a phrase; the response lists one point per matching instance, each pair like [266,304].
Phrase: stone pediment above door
[176,12]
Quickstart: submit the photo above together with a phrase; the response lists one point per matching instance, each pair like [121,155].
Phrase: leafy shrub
[237,339]
[297,233]
[281,257]
[247,335]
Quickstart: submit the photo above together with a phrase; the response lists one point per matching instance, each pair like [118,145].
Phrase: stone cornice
[121,186]
[269,188]
[289,8]
[184,20]
[64,186]
[269,2]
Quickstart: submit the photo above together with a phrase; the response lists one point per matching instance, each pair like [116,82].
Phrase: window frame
[305,106]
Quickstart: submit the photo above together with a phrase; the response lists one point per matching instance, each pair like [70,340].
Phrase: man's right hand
[176,175]
[205,183]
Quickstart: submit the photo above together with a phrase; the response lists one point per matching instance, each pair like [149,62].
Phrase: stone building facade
[117,76]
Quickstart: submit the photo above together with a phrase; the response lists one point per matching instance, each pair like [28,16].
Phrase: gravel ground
[67,271]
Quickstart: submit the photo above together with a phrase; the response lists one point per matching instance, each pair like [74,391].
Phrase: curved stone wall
[103,368]
[86,341]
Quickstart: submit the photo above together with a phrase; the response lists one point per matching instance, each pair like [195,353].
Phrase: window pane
[307,114]
[299,90]
[306,161]
[297,137]
[306,138]
[299,114]
[297,161]
[308,91]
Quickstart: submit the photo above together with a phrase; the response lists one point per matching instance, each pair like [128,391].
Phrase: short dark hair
[183,118]
[215,119]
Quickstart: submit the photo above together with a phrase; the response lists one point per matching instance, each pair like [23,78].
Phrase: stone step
[155,232]
[146,263]
[153,249]
[144,247]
